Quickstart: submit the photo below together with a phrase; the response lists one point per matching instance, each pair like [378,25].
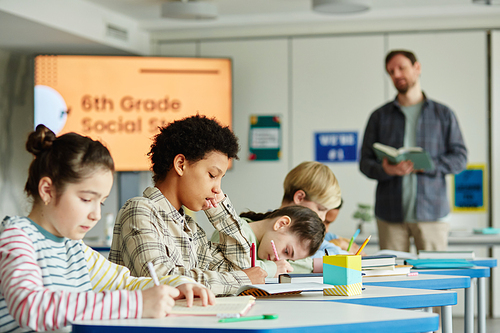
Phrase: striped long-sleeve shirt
[47,282]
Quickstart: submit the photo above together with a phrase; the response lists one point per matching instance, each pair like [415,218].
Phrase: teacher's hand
[401,169]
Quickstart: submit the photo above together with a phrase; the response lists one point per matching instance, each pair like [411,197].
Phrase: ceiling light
[340,6]
[189,10]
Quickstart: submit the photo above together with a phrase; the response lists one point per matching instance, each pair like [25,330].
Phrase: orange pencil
[364,244]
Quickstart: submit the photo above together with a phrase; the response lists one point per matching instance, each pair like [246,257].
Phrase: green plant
[363,214]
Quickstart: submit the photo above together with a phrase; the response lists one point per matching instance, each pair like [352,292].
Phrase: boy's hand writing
[283,267]
[189,290]
[256,275]
[158,301]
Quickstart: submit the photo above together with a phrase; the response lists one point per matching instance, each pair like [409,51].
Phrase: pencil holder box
[343,272]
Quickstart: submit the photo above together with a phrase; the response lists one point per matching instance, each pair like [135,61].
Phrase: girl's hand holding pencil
[158,301]
[186,290]
[283,267]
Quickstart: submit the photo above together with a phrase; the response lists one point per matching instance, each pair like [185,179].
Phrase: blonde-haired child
[314,185]
[48,276]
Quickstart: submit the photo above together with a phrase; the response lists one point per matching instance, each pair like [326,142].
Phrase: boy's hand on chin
[214,201]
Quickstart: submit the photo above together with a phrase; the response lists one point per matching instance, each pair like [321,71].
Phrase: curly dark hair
[194,137]
[306,224]
[68,158]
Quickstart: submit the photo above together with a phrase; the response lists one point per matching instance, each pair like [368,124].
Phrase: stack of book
[382,265]
[300,278]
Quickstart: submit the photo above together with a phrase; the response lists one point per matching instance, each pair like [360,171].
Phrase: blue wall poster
[265,138]
[336,147]
[470,189]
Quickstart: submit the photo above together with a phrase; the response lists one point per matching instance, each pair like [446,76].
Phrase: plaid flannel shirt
[149,228]
[438,133]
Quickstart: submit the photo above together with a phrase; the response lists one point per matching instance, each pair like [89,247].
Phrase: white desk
[474,239]
[479,273]
[317,317]
[390,297]
[429,281]
[420,281]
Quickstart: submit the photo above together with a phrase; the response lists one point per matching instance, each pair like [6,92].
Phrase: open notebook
[280,289]
[225,307]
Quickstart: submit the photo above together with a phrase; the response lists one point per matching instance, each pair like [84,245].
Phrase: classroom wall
[16,121]
[315,83]
[332,84]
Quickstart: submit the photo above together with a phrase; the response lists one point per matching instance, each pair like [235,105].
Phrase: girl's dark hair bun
[40,140]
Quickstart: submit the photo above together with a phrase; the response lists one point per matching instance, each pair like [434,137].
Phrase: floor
[492,325]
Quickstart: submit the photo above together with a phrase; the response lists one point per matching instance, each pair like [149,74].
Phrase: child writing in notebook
[189,157]
[48,277]
[296,231]
[312,185]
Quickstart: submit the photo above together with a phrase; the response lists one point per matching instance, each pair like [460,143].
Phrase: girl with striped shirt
[48,277]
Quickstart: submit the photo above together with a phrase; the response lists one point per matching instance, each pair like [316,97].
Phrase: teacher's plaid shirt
[438,133]
[149,228]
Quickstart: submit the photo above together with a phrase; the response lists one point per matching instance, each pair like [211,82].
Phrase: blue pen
[356,234]
[352,239]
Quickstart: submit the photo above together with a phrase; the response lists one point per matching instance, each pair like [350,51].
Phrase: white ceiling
[254,12]
[62,26]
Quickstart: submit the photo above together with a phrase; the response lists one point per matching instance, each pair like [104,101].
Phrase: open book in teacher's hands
[420,158]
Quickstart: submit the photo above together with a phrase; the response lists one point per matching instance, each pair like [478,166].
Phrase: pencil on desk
[363,245]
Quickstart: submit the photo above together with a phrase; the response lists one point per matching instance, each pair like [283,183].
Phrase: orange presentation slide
[122,101]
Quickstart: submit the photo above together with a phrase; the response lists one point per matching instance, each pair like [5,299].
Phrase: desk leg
[428,310]
[481,305]
[469,309]
[446,321]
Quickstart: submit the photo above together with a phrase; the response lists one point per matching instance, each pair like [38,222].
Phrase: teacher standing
[412,203]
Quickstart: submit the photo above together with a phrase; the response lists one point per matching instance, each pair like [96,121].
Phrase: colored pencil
[364,244]
[153,273]
[252,254]
[275,252]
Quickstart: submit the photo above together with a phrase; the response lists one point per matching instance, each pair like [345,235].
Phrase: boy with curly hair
[189,158]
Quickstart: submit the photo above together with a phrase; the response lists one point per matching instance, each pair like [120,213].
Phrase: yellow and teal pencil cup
[343,272]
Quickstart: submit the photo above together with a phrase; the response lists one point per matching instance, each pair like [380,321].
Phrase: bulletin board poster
[122,101]
[469,189]
[336,147]
[264,138]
